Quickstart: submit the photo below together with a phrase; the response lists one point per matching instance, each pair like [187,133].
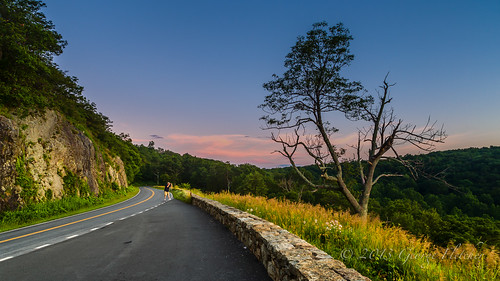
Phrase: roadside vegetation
[180,192]
[376,250]
[67,206]
[182,195]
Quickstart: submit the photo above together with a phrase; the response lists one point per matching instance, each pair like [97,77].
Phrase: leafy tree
[312,88]
[28,43]
[254,183]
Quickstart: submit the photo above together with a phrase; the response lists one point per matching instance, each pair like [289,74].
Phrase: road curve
[143,238]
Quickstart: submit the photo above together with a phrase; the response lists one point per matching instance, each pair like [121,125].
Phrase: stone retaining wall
[285,256]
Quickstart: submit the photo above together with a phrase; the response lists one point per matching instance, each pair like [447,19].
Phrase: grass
[376,251]
[55,209]
[178,193]
[182,195]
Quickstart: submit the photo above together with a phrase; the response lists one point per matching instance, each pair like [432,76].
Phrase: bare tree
[312,87]
[383,135]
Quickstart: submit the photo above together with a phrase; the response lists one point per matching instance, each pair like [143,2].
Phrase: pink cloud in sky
[237,149]
[240,149]
[470,139]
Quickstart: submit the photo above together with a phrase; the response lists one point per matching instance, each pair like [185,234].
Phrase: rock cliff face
[47,157]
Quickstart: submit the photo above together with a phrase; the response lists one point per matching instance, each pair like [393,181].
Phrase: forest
[464,205]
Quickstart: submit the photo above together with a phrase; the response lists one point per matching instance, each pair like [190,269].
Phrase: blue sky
[189,74]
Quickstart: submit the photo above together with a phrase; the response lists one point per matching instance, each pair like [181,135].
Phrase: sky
[188,75]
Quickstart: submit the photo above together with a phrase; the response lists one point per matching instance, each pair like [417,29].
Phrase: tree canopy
[28,43]
[312,84]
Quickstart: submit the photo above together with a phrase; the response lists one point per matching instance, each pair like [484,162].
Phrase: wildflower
[334,224]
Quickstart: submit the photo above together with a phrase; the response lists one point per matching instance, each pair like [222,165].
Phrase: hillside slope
[53,141]
[44,157]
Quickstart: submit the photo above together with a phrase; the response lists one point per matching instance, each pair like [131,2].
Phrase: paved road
[141,239]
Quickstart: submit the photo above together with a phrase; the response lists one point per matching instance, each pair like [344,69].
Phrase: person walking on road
[167,191]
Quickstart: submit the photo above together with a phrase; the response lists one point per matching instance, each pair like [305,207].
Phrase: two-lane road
[140,239]
[21,241]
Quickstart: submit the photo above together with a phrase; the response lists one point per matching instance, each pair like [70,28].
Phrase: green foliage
[46,209]
[254,184]
[49,195]
[466,211]
[73,185]
[122,146]
[25,180]
[184,186]
[474,171]
[43,211]
[182,195]
[28,43]
[312,83]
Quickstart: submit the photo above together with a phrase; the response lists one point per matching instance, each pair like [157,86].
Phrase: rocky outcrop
[9,151]
[284,255]
[41,156]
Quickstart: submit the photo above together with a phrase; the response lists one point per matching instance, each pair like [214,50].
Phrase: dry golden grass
[377,251]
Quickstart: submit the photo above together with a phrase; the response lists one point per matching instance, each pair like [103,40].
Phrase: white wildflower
[334,224]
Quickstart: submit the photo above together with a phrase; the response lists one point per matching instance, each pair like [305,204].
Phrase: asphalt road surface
[143,238]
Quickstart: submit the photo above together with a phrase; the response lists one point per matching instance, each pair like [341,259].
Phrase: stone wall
[285,256]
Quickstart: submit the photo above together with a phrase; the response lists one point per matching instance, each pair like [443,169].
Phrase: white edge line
[43,246]
[7,258]
[93,229]
[109,223]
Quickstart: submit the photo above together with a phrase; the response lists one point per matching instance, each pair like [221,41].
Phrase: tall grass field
[376,251]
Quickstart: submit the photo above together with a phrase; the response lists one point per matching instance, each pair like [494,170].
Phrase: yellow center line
[63,225]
